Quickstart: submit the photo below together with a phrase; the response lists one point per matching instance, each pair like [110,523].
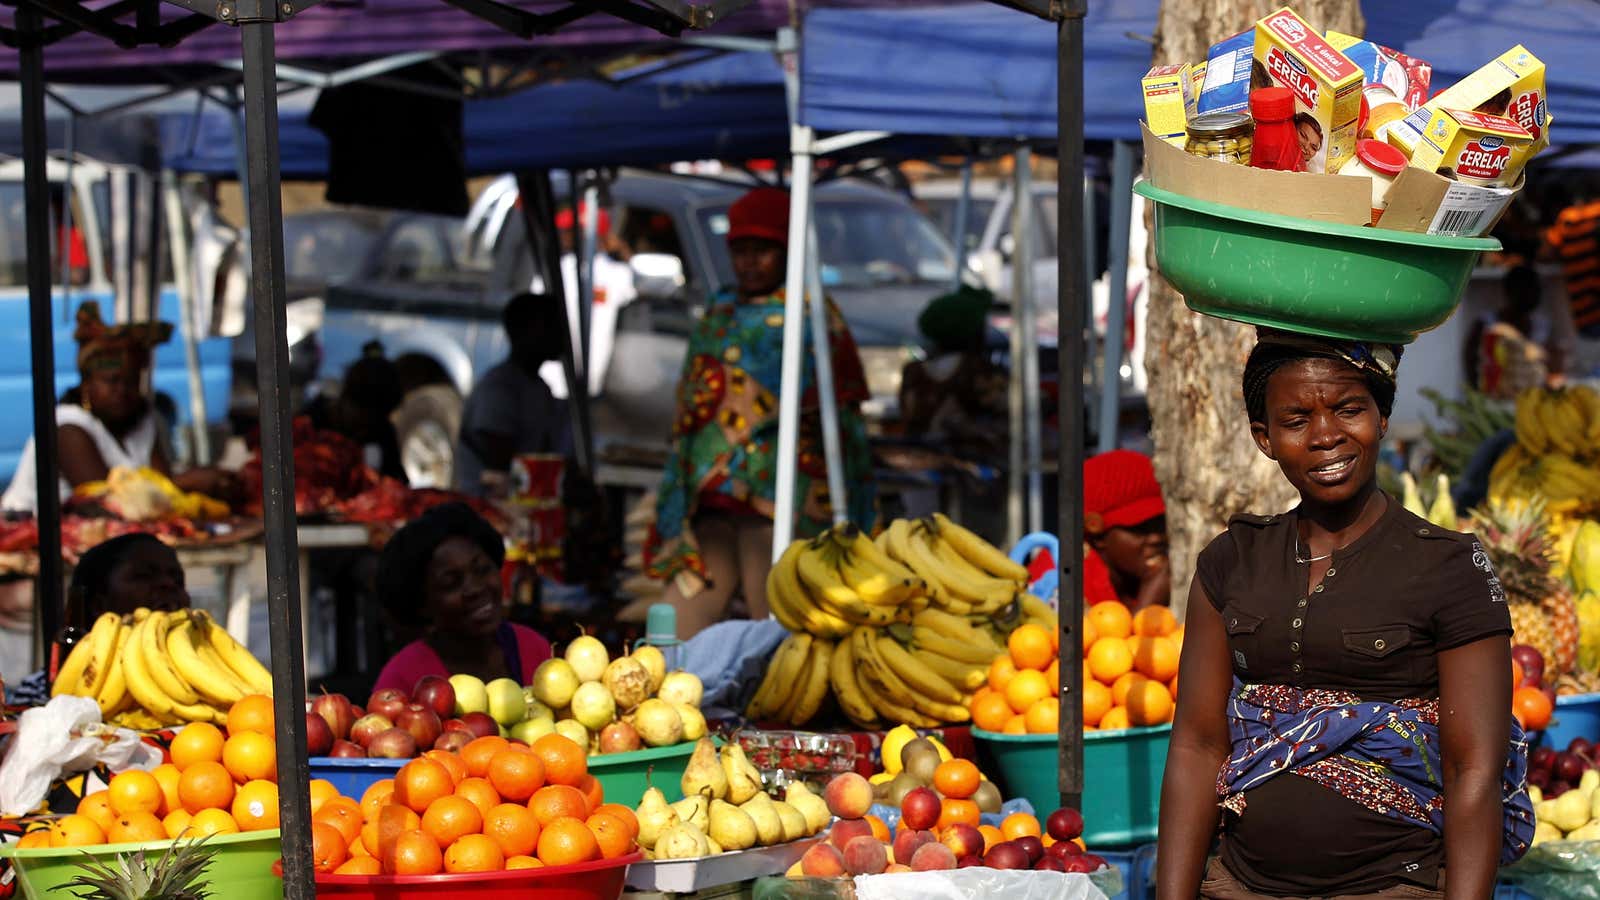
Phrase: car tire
[426,424]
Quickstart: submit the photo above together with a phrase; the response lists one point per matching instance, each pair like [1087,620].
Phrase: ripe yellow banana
[1039,612]
[963,652]
[819,572]
[871,584]
[982,554]
[814,689]
[785,590]
[847,689]
[864,548]
[102,641]
[1530,430]
[114,693]
[140,684]
[993,592]
[794,688]
[964,591]
[896,689]
[153,646]
[779,602]
[782,672]
[964,677]
[917,676]
[877,694]
[216,685]
[250,671]
[70,676]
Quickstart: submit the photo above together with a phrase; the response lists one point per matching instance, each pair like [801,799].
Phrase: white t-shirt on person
[136,448]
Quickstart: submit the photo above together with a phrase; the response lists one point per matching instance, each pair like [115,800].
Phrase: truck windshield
[863,243]
[329,247]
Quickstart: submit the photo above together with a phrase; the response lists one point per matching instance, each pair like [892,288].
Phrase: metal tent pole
[538,221]
[828,401]
[183,281]
[591,247]
[277,452]
[1116,292]
[1070,299]
[963,214]
[1017,458]
[793,328]
[1028,322]
[41,336]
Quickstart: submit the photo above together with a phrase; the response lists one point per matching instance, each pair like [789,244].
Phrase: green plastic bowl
[1121,778]
[241,870]
[1341,281]
[623,775]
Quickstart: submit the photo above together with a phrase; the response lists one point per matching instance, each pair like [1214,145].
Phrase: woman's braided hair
[1276,349]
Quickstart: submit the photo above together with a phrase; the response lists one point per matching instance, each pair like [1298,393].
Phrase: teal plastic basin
[626,775]
[1342,281]
[241,870]
[1121,778]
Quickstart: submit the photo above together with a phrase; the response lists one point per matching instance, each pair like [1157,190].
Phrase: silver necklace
[1329,555]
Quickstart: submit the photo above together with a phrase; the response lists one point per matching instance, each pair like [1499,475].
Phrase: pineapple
[1516,536]
[175,876]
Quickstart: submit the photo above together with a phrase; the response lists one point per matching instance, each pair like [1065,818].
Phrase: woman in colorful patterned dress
[1346,672]
[712,537]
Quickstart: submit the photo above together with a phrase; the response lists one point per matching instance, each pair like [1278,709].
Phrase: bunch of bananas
[898,630]
[1557,454]
[145,495]
[153,669]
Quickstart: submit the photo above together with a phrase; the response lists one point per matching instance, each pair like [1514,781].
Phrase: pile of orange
[217,783]
[496,805]
[1130,674]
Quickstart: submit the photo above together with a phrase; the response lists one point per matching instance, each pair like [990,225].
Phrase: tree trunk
[1208,467]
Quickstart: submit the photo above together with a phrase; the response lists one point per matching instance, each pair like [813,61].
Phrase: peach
[896,867]
[845,830]
[795,871]
[822,861]
[907,841]
[866,855]
[848,796]
[933,857]
[920,808]
[963,840]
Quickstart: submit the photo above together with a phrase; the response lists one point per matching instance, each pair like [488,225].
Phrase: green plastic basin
[624,775]
[1342,281]
[241,870]
[1121,778]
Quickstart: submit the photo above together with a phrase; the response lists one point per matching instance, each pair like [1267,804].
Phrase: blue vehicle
[87,271]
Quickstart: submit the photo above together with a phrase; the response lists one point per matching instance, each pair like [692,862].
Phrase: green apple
[506,703]
[470,694]
[530,730]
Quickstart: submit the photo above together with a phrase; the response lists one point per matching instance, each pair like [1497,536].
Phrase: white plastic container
[1379,162]
[1383,109]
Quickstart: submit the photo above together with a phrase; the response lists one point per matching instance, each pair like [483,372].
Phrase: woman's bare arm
[1474,731]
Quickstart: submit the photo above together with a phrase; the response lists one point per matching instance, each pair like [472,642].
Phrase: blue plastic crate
[1138,868]
[353,776]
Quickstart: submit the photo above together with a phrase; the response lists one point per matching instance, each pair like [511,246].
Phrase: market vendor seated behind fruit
[1125,530]
[441,575]
[107,421]
[1345,714]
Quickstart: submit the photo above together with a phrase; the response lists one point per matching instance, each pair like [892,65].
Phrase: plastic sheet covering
[61,737]
[1559,870]
[976,882]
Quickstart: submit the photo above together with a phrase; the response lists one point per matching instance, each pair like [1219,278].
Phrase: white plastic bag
[61,737]
[978,882]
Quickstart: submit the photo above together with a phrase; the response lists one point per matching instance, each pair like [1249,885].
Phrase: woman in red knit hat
[1125,525]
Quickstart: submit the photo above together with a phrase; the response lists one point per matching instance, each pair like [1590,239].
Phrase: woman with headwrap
[1346,671]
[107,421]
[713,531]
[441,575]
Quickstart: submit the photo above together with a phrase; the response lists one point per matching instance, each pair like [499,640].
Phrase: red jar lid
[1271,104]
[1380,157]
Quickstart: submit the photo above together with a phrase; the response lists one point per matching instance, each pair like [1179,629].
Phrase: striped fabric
[1576,240]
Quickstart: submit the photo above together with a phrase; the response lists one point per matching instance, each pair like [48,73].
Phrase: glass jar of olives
[1224,136]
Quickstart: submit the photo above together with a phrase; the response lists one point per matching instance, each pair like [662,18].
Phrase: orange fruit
[879,829]
[359,865]
[1120,687]
[1026,688]
[414,853]
[1043,717]
[1030,647]
[420,782]
[1019,825]
[176,824]
[1115,719]
[522,862]
[205,785]
[480,792]
[514,827]
[197,742]
[322,790]
[375,798]
[393,820]
[1156,657]
[1052,672]
[593,791]
[252,713]
[1111,619]
[451,818]
[251,756]
[477,753]
[474,853]
[614,838]
[957,778]
[133,827]
[1154,621]
[329,849]
[1090,633]
[1096,702]
[565,840]
[991,836]
[97,806]
[358,848]
[166,775]
[1529,704]
[564,761]
[344,815]
[623,813]
[37,839]
[1177,637]
[1172,688]
[953,811]
[134,791]
[212,821]
[1149,704]
[557,801]
[517,775]
[1015,725]
[452,763]
[1110,658]
[990,711]
[76,831]
[1516,674]
[255,806]
[1001,671]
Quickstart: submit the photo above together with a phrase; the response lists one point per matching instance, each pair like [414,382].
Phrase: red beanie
[762,213]
[1119,489]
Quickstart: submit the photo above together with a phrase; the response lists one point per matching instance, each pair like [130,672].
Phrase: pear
[1569,811]
[769,828]
[1589,832]
[682,841]
[814,808]
[1589,783]
[704,774]
[1544,831]
[731,827]
[654,663]
[695,810]
[1594,802]
[694,721]
[744,781]
[714,847]
[795,826]
[654,816]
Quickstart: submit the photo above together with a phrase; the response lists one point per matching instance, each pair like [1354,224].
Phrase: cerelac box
[1511,86]
[1325,83]
[1168,99]
[1474,148]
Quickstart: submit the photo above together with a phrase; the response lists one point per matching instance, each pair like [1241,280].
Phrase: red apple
[1032,846]
[1556,789]
[1049,864]
[619,737]
[919,810]
[436,693]
[388,702]
[967,862]
[1569,767]
[1082,862]
[1539,778]
[1581,746]
[393,744]
[1532,663]
[1064,824]
[1006,855]
[347,750]
[368,727]
[456,725]
[1063,849]
[421,722]
[480,724]
[357,710]
[319,737]
[335,709]
[1542,759]
[453,740]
